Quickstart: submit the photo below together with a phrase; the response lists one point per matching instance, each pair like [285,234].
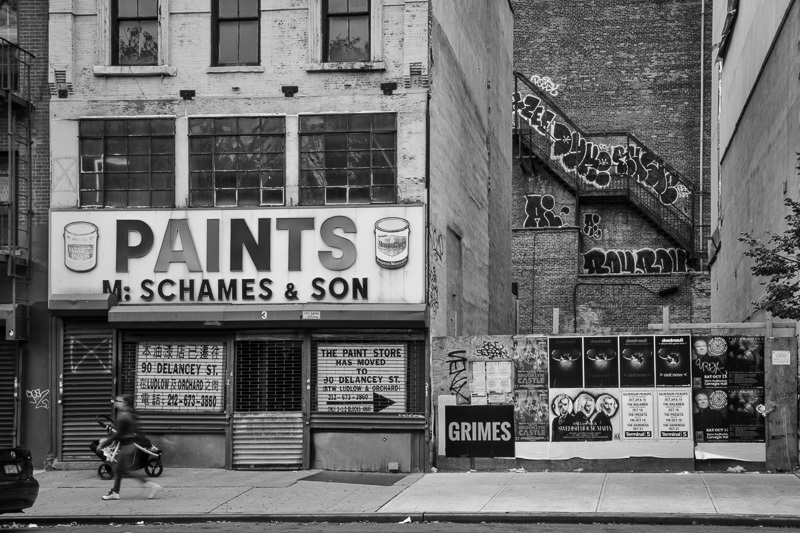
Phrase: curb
[508,518]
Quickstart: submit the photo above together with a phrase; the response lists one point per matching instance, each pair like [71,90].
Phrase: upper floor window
[346,30]
[134,38]
[8,21]
[236,161]
[348,159]
[235,32]
[134,26]
[345,35]
[127,162]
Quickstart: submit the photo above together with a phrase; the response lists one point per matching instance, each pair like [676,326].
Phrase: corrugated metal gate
[87,387]
[8,376]
[267,419]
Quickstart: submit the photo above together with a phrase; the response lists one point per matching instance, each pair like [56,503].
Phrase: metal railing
[607,164]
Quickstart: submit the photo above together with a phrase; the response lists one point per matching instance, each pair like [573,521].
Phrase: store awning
[82,304]
[285,315]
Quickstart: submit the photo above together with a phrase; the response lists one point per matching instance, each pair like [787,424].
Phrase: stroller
[146,455]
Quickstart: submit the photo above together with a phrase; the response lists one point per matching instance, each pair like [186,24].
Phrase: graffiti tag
[593,162]
[39,398]
[539,212]
[644,261]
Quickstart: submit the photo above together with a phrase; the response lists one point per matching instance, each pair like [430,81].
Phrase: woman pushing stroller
[125,433]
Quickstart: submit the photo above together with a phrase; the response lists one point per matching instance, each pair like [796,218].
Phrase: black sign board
[479,430]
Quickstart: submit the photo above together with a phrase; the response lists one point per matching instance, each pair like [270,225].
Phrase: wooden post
[555,321]
[665,318]
[780,393]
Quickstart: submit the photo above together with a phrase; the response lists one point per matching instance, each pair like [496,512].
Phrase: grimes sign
[363,254]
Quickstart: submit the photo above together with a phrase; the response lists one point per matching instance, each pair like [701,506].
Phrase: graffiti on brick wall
[539,212]
[591,226]
[437,251]
[545,84]
[594,162]
[643,261]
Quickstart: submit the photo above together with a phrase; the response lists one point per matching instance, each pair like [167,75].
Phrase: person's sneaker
[111,495]
[152,489]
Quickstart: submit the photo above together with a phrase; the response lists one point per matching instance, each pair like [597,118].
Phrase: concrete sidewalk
[199,495]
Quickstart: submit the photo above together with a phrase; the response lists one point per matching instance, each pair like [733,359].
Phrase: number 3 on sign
[263,315]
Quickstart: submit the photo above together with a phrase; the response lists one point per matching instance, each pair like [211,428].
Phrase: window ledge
[130,71]
[235,68]
[353,66]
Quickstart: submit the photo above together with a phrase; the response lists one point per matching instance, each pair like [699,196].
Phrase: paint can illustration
[391,242]
[80,246]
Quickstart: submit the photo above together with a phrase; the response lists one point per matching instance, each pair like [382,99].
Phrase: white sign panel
[638,418]
[674,414]
[781,357]
[178,376]
[364,254]
[361,378]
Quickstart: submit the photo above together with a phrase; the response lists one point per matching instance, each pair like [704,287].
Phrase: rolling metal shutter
[87,383]
[8,375]
[268,422]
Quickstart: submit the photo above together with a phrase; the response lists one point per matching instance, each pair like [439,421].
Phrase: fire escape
[608,167]
[15,187]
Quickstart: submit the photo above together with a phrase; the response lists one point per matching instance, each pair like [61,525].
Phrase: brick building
[261,212]
[611,176]
[26,397]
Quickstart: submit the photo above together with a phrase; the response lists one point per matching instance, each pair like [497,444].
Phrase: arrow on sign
[379,403]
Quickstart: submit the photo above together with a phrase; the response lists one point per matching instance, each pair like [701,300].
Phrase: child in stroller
[146,456]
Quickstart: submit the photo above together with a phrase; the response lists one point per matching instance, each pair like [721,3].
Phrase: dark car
[18,488]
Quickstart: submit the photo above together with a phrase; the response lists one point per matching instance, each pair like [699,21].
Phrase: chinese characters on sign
[361,378]
[177,376]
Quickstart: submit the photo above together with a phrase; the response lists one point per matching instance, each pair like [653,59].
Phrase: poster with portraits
[728,388]
[673,365]
[637,364]
[566,362]
[578,415]
[710,415]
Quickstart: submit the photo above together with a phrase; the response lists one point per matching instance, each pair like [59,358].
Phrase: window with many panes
[348,159]
[346,25]
[235,28]
[127,162]
[236,161]
[134,25]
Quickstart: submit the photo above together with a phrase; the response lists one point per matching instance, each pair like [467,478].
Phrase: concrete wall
[470,165]
[758,170]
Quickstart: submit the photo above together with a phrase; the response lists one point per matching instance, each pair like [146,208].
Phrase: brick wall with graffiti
[606,83]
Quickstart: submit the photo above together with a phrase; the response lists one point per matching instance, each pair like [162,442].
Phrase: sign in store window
[361,378]
[176,376]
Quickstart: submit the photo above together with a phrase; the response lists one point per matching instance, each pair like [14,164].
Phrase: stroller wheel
[105,471]
[153,468]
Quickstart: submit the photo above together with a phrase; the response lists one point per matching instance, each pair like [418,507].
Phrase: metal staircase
[612,166]
[15,185]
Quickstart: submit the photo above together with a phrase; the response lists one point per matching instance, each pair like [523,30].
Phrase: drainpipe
[702,114]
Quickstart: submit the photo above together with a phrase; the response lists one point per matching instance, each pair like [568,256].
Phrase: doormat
[359,478]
